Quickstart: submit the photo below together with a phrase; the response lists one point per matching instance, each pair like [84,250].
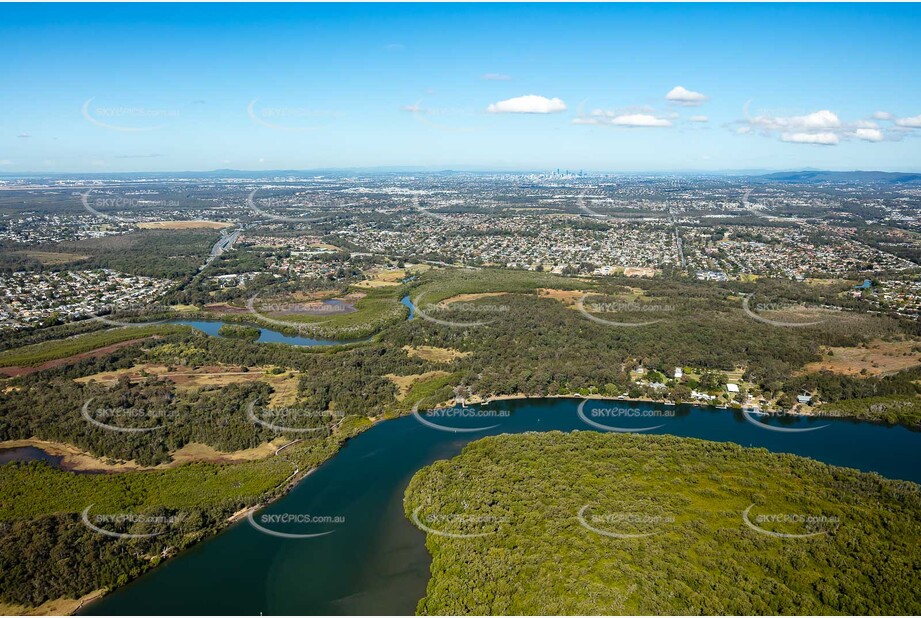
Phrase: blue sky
[97,88]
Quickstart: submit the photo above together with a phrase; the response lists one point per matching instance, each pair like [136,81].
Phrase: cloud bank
[682,96]
[528,104]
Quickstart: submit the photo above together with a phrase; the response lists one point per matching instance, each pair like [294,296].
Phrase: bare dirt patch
[437,355]
[54,607]
[283,384]
[878,358]
[404,383]
[22,371]
[225,308]
[567,297]
[383,278]
[53,258]
[464,298]
[76,460]
[202,452]
[636,271]
[183,225]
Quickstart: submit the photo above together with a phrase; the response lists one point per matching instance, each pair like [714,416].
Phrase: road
[222,245]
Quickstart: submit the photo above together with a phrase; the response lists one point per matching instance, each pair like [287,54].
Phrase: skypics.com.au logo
[457,525]
[267,207]
[96,205]
[613,524]
[108,523]
[287,519]
[758,311]
[294,420]
[616,412]
[121,419]
[587,310]
[458,412]
[474,309]
[127,119]
[813,525]
[118,314]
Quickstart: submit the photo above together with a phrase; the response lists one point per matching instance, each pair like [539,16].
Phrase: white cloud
[882,116]
[682,96]
[415,108]
[822,119]
[640,120]
[823,127]
[5,162]
[23,135]
[528,104]
[823,139]
[912,123]
[869,135]
[744,130]
[600,116]
[699,119]
[496,77]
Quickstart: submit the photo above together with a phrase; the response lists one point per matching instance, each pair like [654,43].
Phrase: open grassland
[75,460]
[405,383]
[55,607]
[904,409]
[60,349]
[53,258]
[183,225]
[435,355]
[284,383]
[438,285]
[382,278]
[585,523]
[375,308]
[875,358]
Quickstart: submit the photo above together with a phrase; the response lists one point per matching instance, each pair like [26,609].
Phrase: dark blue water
[376,562]
[266,335]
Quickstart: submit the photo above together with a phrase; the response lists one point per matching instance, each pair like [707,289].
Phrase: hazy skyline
[103,88]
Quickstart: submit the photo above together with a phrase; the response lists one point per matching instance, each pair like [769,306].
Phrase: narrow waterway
[375,561]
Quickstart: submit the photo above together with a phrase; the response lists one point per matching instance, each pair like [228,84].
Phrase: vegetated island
[238,331]
[587,523]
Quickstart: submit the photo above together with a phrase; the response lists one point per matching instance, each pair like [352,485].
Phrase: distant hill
[814,176]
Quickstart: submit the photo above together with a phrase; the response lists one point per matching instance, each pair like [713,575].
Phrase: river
[266,335]
[376,562]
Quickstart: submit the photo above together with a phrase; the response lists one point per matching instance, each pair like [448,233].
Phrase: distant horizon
[461,169]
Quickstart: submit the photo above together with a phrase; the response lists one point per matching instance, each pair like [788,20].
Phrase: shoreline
[286,486]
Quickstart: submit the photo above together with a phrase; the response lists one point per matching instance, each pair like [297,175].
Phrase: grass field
[374,309]
[878,357]
[59,349]
[52,258]
[438,285]
[284,385]
[183,225]
[382,278]
[436,355]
